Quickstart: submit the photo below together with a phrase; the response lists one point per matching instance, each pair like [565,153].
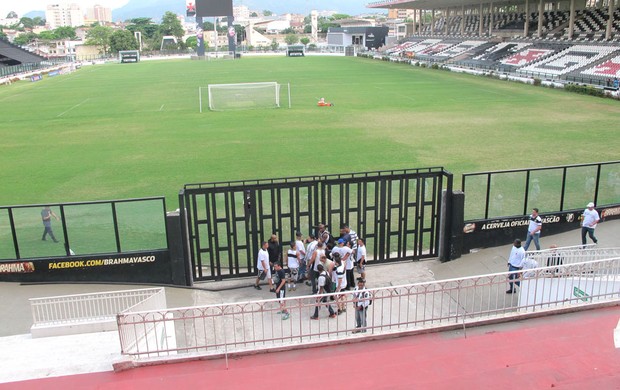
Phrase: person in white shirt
[528,265]
[323,281]
[312,260]
[350,236]
[323,235]
[346,255]
[301,248]
[515,263]
[533,230]
[293,257]
[262,265]
[361,258]
[341,283]
[361,300]
[590,219]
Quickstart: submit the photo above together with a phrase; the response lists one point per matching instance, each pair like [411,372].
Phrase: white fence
[80,313]
[572,255]
[250,326]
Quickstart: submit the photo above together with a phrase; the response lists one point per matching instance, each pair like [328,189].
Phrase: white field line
[617,335]
[12,96]
[76,106]
[162,107]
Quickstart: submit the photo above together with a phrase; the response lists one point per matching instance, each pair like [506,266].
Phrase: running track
[570,351]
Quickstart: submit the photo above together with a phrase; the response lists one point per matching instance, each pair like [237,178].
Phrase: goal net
[243,96]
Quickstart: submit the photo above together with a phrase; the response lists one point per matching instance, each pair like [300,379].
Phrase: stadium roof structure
[11,54]
[432,4]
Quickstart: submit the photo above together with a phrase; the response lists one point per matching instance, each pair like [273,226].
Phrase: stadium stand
[529,56]
[421,46]
[459,49]
[501,50]
[11,54]
[546,50]
[434,49]
[590,24]
[609,68]
[569,60]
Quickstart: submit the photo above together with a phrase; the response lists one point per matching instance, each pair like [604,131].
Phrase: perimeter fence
[259,325]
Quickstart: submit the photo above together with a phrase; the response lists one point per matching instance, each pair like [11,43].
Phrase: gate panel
[396,212]
[228,224]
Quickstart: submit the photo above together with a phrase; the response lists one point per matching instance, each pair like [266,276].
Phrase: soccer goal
[243,96]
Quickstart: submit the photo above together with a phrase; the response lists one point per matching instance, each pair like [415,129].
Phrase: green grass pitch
[131,130]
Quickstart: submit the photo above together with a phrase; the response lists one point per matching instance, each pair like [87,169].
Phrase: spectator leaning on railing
[515,263]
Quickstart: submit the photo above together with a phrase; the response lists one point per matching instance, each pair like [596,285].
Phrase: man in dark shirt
[46,217]
[279,281]
[274,249]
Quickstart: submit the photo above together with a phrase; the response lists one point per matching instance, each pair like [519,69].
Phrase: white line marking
[617,335]
[162,107]
[12,96]
[76,106]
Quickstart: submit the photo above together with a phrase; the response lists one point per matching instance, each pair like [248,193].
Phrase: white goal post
[242,96]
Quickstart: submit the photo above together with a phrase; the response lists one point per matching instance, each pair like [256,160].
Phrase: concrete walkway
[25,358]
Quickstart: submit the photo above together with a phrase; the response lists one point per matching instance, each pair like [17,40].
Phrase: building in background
[62,15]
[400,13]
[98,14]
[241,13]
[8,22]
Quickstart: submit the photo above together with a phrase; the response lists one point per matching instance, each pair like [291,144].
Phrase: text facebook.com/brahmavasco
[101,262]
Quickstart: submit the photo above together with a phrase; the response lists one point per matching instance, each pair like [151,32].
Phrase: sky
[24,6]
[346,6]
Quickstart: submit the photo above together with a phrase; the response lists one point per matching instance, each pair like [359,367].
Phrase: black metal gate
[396,212]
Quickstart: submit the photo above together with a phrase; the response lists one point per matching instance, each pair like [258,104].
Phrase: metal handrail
[257,325]
[67,309]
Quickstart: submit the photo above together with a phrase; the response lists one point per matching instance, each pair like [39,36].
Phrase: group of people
[518,261]
[325,263]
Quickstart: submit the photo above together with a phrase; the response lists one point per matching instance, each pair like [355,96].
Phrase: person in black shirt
[279,279]
[274,249]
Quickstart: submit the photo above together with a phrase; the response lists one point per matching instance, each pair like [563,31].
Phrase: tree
[24,39]
[191,42]
[26,22]
[305,41]
[324,24]
[291,39]
[254,15]
[12,15]
[239,33]
[122,40]
[274,45]
[38,21]
[340,16]
[100,36]
[267,13]
[65,32]
[288,30]
[3,35]
[171,25]
[47,36]
[145,25]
